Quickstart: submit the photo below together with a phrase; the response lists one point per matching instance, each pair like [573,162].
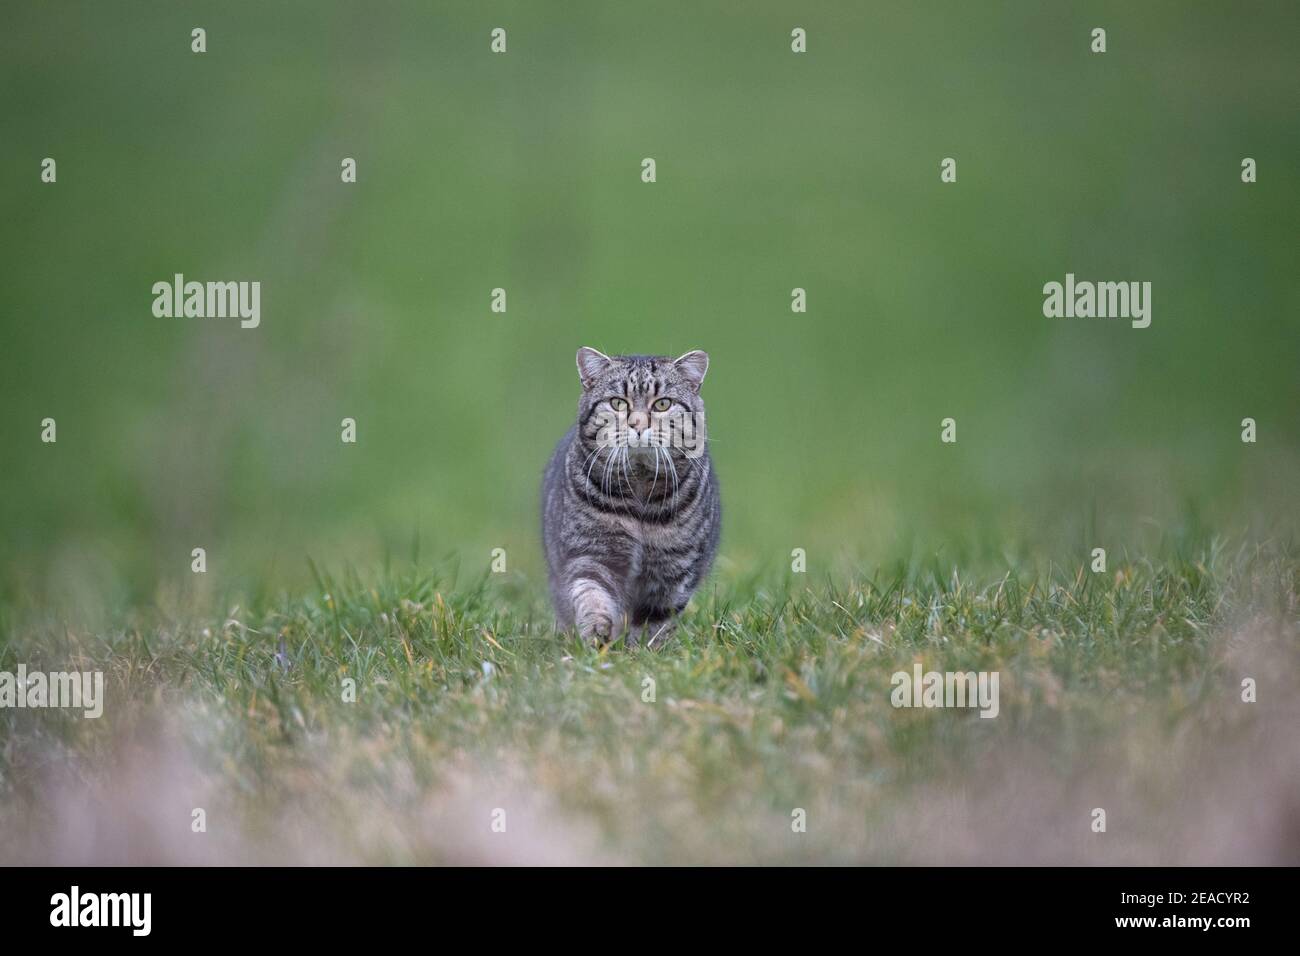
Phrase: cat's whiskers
[623,477]
[592,459]
[656,477]
[693,465]
[630,470]
[676,484]
[609,465]
[670,474]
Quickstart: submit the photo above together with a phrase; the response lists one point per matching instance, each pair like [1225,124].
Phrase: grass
[1118,690]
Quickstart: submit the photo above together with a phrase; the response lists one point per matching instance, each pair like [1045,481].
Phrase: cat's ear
[693,365]
[591,365]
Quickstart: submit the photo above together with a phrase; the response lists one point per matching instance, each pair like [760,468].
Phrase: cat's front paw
[596,628]
[596,613]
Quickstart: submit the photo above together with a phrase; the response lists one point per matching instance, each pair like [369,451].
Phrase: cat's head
[643,402]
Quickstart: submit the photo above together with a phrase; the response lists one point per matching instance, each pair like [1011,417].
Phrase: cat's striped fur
[630,517]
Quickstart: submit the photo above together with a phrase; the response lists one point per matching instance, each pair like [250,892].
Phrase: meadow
[329,562]
[764,733]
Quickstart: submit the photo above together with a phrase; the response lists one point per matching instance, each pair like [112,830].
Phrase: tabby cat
[630,508]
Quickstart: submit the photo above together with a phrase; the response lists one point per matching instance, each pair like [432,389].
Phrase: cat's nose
[638,420]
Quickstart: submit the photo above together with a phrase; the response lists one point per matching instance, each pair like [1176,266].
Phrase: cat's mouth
[643,460]
[643,455]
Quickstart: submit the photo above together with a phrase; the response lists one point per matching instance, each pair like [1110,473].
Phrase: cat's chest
[647,539]
[656,537]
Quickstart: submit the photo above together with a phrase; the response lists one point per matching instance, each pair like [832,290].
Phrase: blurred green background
[521,171]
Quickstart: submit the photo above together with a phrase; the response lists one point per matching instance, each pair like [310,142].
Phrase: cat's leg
[640,632]
[659,634]
[658,606]
[597,589]
[654,627]
[596,611]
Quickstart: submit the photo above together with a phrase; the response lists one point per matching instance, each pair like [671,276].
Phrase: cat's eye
[617,404]
[663,405]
